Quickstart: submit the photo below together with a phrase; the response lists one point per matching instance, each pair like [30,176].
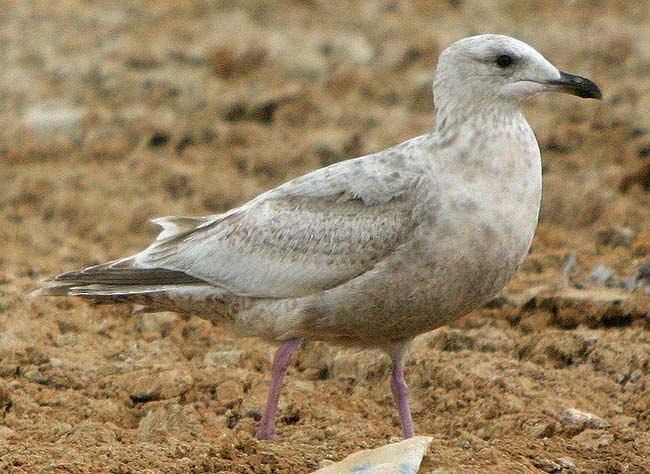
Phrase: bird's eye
[504,60]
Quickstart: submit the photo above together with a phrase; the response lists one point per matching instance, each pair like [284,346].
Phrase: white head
[488,71]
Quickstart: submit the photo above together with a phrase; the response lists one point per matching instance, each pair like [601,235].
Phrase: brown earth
[112,113]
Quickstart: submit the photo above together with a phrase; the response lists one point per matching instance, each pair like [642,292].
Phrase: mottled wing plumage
[308,235]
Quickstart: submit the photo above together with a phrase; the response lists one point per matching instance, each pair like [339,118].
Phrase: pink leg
[401,390]
[266,428]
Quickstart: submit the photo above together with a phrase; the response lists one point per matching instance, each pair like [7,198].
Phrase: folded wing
[308,235]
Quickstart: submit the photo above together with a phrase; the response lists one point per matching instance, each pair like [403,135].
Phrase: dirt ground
[113,113]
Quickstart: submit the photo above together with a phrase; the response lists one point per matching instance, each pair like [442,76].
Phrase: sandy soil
[112,115]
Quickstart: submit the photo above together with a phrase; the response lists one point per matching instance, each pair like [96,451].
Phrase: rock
[594,439]
[165,385]
[601,275]
[394,458]
[547,465]
[53,117]
[576,421]
[224,358]
[56,363]
[566,463]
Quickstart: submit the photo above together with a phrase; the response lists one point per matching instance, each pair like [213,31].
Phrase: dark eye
[504,60]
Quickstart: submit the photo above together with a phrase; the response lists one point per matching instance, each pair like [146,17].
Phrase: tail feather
[109,275]
[117,279]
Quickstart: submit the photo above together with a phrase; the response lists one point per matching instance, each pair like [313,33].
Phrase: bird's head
[496,69]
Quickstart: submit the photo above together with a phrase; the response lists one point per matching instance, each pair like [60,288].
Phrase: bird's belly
[451,266]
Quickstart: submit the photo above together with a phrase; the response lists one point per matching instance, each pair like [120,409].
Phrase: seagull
[368,252]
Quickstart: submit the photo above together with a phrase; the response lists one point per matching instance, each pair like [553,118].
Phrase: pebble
[578,421]
[566,463]
[224,358]
[601,275]
[547,465]
[56,363]
[47,118]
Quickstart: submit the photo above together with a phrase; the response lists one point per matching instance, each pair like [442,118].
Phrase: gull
[368,252]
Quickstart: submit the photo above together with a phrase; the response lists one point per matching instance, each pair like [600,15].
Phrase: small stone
[577,421]
[47,118]
[224,358]
[547,465]
[566,463]
[56,363]
[403,456]
[601,274]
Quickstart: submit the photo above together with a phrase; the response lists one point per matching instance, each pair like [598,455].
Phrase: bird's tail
[117,281]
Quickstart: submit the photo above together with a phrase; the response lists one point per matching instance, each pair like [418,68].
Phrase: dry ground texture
[112,113]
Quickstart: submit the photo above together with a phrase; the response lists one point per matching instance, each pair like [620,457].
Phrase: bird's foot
[268,435]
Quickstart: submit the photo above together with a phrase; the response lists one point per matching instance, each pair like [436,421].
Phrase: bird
[368,252]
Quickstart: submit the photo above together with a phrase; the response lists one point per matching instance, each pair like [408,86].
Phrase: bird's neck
[450,118]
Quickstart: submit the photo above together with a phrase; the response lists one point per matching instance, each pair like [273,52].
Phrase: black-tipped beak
[577,85]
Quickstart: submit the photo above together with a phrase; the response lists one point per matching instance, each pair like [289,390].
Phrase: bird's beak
[576,85]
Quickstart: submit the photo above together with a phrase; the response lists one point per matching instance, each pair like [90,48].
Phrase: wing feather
[307,235]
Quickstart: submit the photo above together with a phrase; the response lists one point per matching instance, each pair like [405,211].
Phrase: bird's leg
[401,390]
[281,359]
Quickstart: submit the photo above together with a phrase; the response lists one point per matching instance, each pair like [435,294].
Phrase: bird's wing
[307,235]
